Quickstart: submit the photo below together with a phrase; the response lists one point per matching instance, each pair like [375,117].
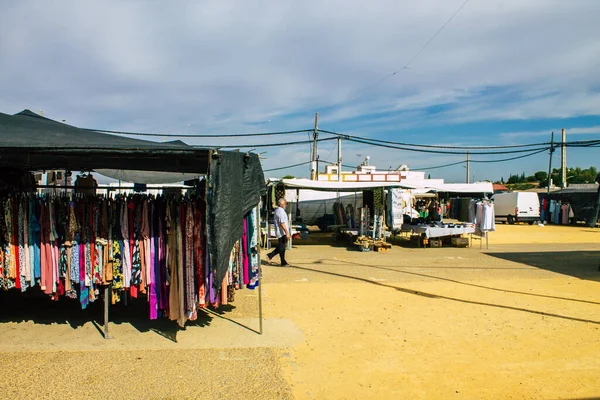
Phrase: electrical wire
[438,146]
[533,153]
[440,151]
[405,67]
[427,168]
[199,136]
[236,146]
[442,166]
[511,158]
[287,166]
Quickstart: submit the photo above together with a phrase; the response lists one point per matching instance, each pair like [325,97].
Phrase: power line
[236,146]
[511,158]
[417,54]
[482,161]
[443,166]
[286,167]
[372,143]
[437,146]
[532,153]
[180,135]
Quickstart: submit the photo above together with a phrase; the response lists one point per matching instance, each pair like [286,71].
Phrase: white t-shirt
[281,217]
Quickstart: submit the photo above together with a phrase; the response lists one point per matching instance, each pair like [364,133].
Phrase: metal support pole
[106,303]
[260,308]
[468,167]
[289,242]
[313,165]
[550,163]
[563,158]
[260,305]
[339,162]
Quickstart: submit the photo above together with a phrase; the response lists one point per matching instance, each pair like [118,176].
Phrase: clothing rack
[110,188]
[109,284]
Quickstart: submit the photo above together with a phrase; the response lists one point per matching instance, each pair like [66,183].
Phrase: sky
[500,72]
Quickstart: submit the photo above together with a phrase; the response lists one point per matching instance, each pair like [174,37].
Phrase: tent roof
[333,186]
[30,141]
[479,187]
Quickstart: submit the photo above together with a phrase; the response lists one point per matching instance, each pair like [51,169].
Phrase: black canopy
[31,142]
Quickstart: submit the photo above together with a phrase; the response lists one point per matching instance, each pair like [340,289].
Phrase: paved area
[520,320]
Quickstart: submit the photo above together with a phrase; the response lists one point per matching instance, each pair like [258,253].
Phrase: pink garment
[245,260]
[55,257]
[152,282]
[125,251]
[47,249]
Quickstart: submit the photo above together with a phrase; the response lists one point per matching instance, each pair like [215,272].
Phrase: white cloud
[225,66]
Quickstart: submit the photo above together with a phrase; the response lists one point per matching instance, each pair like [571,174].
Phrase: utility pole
[550,162]
[468,167]
[339,162]
[563,158]
[313,165]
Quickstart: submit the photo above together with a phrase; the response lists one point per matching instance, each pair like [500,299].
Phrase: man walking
[282,230]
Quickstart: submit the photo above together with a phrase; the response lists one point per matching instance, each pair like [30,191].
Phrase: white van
[517,207]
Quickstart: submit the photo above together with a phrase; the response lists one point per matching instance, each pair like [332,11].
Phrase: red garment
[47,248]
[131,207]
[43,240]
[199,255]
[16,232]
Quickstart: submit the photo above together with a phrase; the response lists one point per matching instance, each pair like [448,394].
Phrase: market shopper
[282,230]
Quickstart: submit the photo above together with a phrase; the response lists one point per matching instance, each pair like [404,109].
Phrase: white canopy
[479,187]
[152,177]
[334,186]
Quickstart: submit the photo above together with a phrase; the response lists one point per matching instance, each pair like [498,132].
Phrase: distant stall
[365,223]
[445,213]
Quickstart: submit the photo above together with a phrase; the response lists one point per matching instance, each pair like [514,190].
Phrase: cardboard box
[460,242]
[435,242]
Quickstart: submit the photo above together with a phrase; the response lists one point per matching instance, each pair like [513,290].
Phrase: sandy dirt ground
[518,320]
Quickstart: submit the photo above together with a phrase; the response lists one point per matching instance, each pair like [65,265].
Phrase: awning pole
[106,302]
[260,308]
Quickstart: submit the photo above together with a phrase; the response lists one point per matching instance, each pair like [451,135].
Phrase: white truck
[517,207]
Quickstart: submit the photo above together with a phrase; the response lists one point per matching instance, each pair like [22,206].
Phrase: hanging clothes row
[458,208]
[556,212]
[142,245]
[274,193]
[482,214]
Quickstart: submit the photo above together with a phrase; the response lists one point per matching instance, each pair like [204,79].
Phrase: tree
[288,177]
[541,176]
[512,179]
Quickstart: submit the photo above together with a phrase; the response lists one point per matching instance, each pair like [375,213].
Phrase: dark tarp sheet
[235,185]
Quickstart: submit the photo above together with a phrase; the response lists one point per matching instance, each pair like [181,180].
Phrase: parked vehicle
[517,207]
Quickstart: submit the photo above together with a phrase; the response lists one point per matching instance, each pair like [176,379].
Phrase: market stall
[444,213]
[363,227]
[180,252]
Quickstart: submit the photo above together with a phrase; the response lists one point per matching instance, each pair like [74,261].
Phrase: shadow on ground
[35,306]
[579,264]
[312,267]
